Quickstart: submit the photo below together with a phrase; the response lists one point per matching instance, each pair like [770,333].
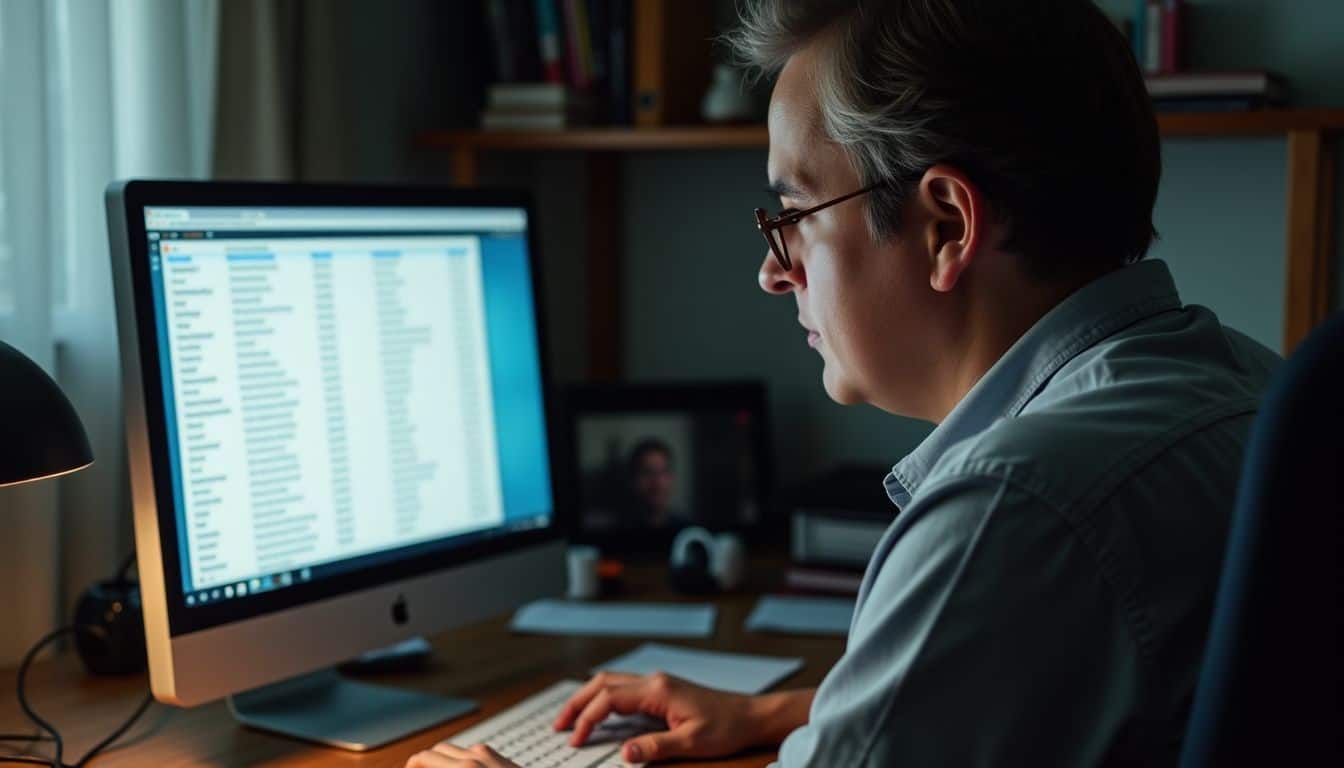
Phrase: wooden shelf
[1212,124]
[1259,123]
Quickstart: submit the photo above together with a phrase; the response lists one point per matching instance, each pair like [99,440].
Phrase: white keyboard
[524,735]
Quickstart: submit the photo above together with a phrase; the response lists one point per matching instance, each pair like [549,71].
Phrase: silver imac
[336,411]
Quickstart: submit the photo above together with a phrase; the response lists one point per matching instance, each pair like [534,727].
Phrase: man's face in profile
[861,302]
[653,480]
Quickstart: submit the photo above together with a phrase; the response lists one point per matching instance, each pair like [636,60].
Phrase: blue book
[1139,31]
[550,41]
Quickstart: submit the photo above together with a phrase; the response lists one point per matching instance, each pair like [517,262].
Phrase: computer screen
[343,386]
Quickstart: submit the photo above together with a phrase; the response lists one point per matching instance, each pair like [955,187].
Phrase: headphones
[703,563]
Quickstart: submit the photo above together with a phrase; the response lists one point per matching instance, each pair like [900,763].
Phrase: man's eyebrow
[784,188]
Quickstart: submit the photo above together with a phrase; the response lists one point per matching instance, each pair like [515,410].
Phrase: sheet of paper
[802,615]
[561,617]
[736,672]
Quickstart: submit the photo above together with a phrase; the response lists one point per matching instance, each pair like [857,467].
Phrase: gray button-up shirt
[1043,596]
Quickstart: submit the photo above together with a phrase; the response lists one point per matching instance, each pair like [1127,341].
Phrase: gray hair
[997,88]
[865,102]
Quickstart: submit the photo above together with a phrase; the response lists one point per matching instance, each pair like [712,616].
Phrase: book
[579,49]
[1152,43]
[535,107]
[527,56]
[814,579]
[533,97]
[550,45]
[1138,33]
[1244,84]
[618,62]
[1173,36]
[501,34]
[544,120]
[599,33]
[599,38]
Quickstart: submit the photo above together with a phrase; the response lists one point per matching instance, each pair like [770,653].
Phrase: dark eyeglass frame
[769,225]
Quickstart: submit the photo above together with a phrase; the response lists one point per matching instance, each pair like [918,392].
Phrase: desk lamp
[43,436]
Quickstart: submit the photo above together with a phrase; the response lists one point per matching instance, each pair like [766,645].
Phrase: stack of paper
[560,617]
[802,615]
[735,672]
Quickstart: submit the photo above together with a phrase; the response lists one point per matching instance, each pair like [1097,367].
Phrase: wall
[694,309]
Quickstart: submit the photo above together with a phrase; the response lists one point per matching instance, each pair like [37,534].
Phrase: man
[968,190]
[651,478]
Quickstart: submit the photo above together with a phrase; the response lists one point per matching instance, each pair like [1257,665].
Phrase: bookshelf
[1310,136]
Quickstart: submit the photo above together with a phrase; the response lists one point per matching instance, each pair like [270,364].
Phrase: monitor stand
[328,709]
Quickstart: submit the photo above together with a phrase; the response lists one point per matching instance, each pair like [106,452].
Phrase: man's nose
[773,278]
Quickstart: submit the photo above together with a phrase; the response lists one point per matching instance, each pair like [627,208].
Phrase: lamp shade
[40,433]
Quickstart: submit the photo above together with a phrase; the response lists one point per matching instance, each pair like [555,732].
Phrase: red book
[1173,32]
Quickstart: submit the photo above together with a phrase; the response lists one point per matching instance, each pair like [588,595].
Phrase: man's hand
[450,756]
[701,722]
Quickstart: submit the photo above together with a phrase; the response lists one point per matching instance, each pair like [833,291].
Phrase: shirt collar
[1089,315]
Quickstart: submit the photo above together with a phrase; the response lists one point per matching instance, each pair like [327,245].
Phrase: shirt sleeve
[987,638]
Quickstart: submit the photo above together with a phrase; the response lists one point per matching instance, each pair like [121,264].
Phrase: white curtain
[90,91]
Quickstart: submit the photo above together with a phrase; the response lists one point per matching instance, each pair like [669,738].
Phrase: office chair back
[1269,690]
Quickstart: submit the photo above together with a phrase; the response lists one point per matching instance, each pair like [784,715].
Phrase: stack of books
[535,107]
[1158,35]
[558,64]
[1216,91]
[618,62]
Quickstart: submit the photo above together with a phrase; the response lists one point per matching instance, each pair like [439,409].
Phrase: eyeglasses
[770,226]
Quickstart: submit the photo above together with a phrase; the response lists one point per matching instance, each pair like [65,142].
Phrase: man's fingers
[595,712]
[659,746]
[584,695]
[621,699]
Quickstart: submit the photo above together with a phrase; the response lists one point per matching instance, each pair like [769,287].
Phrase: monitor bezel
[136,196]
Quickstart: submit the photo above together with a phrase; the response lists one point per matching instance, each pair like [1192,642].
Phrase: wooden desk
[484,662]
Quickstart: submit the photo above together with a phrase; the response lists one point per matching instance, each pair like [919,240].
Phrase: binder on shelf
[673,56]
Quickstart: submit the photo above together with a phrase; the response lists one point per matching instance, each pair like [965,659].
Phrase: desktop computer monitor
[336,409]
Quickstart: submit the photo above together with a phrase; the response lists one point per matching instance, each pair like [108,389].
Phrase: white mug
[582,566]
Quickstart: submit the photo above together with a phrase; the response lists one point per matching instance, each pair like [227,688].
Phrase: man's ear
[954,222]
